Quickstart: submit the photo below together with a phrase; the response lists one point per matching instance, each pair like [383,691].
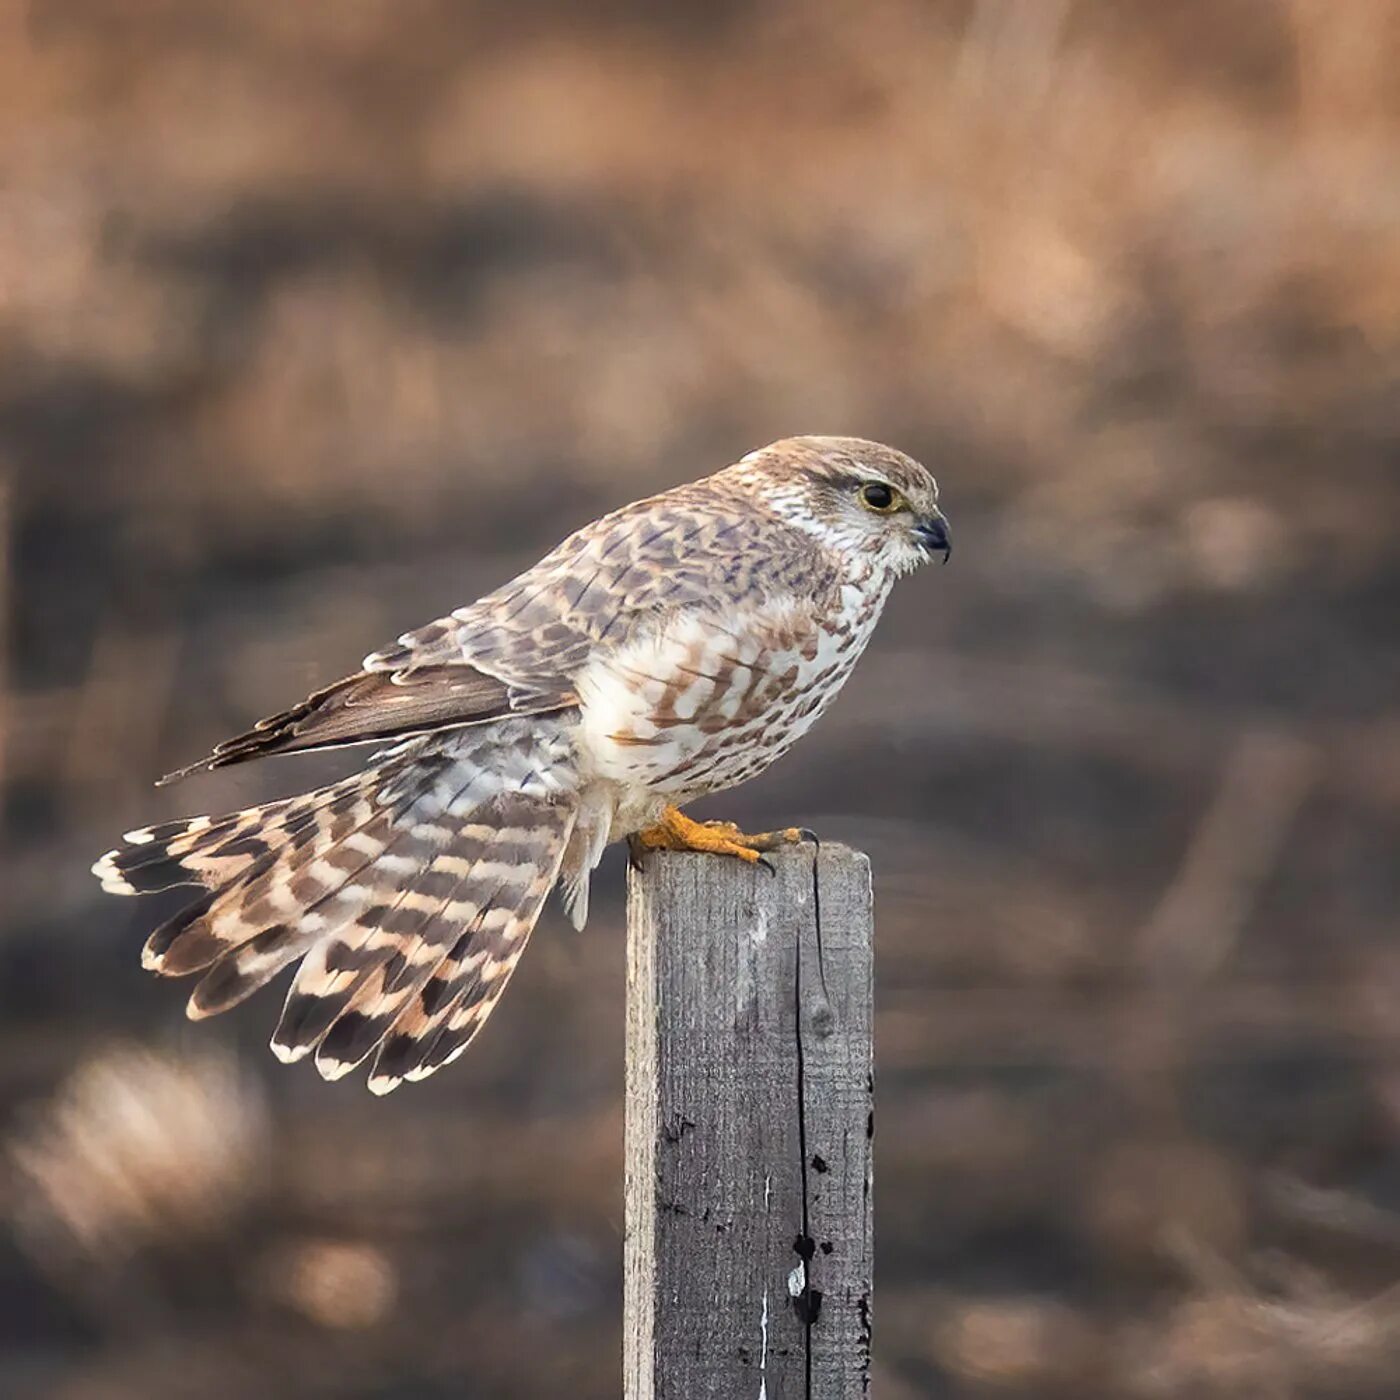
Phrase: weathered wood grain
[749,1128]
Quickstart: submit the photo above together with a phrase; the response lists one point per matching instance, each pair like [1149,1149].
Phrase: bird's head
[854,495]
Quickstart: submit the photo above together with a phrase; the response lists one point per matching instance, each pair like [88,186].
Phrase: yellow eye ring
[880,497]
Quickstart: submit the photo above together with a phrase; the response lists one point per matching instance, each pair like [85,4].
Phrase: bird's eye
[879,497]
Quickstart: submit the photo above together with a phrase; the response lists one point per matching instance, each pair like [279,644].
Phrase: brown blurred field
[317,319]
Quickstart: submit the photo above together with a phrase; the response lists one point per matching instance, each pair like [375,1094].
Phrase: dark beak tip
[934,534]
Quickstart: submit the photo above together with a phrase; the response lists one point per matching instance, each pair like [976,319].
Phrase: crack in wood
[748,1094]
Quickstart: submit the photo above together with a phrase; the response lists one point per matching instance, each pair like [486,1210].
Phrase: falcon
[669,650]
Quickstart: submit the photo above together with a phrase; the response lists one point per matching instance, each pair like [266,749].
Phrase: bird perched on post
[669,650]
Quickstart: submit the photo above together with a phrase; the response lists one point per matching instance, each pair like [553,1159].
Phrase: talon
[771,840]
[677,832]
[732,848]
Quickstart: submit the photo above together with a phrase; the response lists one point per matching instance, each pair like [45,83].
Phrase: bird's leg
[677,832]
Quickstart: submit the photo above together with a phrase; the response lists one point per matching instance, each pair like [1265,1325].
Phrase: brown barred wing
[372,707]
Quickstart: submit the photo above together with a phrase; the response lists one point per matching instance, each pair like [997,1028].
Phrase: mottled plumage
[671,649]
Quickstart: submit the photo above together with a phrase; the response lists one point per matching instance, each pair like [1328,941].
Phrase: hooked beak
[932,534]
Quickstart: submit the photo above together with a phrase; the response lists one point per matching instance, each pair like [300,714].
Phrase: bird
[667,651]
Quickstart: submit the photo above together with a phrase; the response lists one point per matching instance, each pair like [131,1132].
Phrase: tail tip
[193,1010]
[331,1070]
[288,1054]
[112,880]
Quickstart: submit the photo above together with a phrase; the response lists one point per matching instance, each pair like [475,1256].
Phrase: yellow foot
[677,832]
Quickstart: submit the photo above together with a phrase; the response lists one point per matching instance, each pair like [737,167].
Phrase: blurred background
[319,319]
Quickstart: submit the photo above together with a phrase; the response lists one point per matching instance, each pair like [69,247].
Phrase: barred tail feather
[428,868]
[299,889]
[206,850]
[349,991]
[325,884]
[508,890]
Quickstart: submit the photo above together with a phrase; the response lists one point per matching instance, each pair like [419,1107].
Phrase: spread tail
[407,891]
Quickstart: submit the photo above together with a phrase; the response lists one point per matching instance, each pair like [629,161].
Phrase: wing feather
[374,706]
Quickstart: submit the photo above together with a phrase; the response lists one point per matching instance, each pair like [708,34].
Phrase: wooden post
[750,1115]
